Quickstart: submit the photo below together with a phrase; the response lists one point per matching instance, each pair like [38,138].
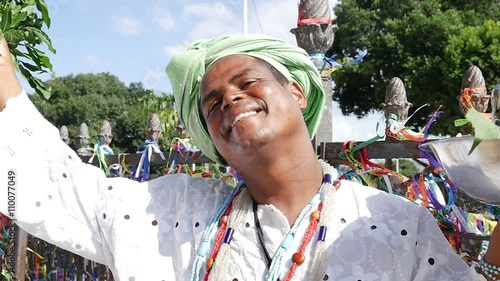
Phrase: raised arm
[41,178]
[127,225]
[43,183]
[492,256]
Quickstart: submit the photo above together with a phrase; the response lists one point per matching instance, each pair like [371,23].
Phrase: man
[254,103]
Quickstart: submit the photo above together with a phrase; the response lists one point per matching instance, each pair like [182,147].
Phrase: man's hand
[9,84]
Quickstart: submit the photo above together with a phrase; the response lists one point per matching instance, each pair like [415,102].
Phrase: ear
[298,94]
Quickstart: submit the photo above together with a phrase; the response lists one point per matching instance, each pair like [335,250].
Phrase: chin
[251,137]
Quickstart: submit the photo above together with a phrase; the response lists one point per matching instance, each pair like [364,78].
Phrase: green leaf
[483,128]
[33,56]
[32,67]
[42,36]
[44,59]
[39,57]
[22,26]
[18,18]
[461,122]
[40,86]
[6,19]
[18,53]
[42,7]
[23,70]
[13,37]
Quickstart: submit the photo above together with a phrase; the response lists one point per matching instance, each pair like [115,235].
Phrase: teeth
[243,115]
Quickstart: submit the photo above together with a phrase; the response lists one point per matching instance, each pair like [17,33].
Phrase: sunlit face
[246,108]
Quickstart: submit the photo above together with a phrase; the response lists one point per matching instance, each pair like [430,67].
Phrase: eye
[247,84]
[212,107]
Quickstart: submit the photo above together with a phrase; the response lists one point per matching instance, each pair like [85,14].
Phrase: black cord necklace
[260,234]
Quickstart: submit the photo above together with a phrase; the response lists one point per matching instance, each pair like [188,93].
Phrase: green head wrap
[186,69]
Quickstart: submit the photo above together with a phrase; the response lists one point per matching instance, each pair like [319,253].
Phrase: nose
[231,97]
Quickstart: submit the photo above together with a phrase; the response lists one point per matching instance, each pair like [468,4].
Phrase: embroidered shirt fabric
[150,231]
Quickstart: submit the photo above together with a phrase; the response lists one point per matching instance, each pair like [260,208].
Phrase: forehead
[225,68]
[232,61]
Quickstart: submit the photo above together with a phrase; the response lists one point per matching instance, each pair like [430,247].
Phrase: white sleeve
[436,259]
[56,195]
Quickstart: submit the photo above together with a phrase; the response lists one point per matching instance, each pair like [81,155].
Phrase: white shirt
[151,231]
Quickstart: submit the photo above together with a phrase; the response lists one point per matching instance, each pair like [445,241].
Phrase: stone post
[315,33]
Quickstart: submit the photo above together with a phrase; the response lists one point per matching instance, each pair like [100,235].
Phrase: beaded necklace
[231,214]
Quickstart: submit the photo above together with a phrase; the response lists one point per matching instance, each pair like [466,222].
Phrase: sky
[135,40]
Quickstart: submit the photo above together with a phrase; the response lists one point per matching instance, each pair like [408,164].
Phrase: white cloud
[127,25]
[94,61]
[276,18]
[207,10]
[216,18]
[213,19]
[162,17]
[155,78]
[342,129]
[173,49]
[347,128]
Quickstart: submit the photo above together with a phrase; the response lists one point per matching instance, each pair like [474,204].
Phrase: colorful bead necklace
[231,214]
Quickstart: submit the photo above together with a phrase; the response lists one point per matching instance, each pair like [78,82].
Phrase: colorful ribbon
[147,149]
[183,147]
[101,151]
[334,65]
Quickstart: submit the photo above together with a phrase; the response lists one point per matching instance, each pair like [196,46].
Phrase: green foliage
[164,105]
[474,45]
[483,128]
[92,98]
[428,44]
[22,23]
[406,167]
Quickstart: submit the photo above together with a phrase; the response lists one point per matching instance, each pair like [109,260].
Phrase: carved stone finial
[154,128]
[105,135]
[83,138]
[63,133]
[396,101]
[473,92]
[315,32]
[83,132]
[495,105]
[180,131]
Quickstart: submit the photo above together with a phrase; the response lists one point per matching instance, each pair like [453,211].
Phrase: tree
[164,105]
[474,45]
[22,23]
[406,167]
[92,98]
[420,42]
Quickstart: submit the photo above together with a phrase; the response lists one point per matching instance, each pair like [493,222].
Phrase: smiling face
[246,108]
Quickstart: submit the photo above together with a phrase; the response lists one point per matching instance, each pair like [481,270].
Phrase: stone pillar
[315,33]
